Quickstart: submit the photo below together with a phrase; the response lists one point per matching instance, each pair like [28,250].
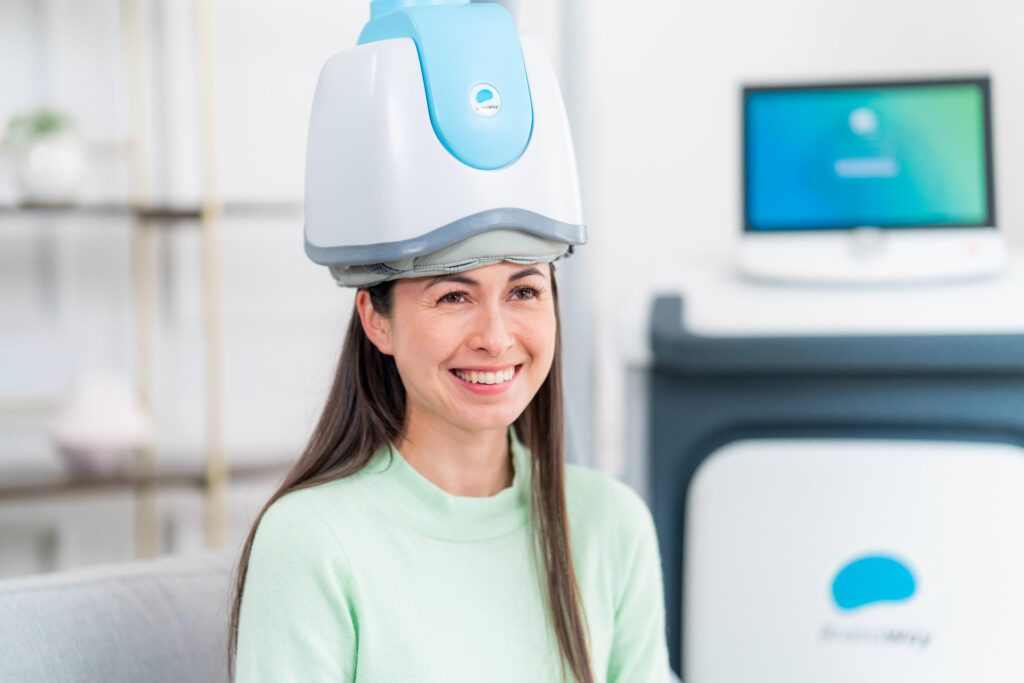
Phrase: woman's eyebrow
[469,281]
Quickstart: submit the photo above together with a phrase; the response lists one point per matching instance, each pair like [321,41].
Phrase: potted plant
[50,156]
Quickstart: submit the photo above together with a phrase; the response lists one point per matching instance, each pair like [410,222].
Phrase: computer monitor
[868,182]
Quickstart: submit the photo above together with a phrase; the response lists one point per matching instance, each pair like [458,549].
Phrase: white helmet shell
[381,186]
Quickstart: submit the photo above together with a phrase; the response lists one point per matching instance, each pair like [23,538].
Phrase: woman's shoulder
[598,500]
[308,516]
[611,526]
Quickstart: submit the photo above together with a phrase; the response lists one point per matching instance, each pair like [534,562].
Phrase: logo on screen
[863,121]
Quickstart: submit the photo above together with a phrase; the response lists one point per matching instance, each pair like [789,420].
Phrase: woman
[431,530]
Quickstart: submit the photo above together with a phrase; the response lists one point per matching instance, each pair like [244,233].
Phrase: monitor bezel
[983,82]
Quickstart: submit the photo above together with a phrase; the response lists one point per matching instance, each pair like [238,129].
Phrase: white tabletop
[718,302]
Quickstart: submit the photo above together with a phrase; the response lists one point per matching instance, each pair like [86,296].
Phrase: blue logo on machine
[485,100]
[871,579]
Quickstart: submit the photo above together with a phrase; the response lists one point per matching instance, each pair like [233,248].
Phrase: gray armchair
[153,621]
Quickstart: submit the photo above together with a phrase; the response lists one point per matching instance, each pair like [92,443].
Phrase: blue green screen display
[885,156]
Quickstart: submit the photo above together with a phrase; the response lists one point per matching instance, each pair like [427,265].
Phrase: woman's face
[472,348]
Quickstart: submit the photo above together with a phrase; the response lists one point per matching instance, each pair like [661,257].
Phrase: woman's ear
[375,325]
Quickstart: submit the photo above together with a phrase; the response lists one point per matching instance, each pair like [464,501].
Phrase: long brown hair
[365,410]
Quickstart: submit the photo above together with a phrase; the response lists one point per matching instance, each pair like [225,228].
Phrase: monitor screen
[895,154]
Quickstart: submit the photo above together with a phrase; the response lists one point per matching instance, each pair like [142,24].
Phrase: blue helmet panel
[478,95]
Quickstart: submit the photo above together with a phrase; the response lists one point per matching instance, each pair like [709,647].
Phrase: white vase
[50,169]
[103,426]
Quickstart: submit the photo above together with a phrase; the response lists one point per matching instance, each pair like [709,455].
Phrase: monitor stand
[870,256]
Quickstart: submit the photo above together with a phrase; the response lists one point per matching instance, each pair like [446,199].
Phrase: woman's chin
[476,418]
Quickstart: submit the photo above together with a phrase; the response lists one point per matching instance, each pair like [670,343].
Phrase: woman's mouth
[486,382]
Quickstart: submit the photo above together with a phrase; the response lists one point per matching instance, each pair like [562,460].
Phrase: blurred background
[165,344]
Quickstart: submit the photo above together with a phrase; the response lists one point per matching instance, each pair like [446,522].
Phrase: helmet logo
[485,100]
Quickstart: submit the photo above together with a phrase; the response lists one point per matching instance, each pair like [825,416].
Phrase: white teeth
[486,377]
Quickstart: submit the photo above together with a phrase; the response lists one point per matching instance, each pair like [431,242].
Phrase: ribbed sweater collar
[409,496]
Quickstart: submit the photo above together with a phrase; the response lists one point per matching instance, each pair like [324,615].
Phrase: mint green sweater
[383,577]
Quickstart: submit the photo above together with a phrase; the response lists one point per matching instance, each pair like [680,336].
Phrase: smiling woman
[431,530]
[425,532]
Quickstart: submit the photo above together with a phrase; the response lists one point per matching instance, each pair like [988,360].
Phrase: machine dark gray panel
[707,392]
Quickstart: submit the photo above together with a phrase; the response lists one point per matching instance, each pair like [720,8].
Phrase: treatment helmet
[438,144]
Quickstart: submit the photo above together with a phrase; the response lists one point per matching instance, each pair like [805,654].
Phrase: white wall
[654,94]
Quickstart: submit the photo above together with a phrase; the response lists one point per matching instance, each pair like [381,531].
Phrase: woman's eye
[451,298]
[529,290]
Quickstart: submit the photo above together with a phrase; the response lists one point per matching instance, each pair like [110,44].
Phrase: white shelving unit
[45,492]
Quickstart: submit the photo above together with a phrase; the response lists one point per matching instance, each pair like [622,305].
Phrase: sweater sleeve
[639,647]
[296,621]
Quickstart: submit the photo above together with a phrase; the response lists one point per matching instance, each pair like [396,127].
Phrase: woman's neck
[473,463]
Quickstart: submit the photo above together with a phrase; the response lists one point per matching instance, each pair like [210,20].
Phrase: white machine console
[849,561]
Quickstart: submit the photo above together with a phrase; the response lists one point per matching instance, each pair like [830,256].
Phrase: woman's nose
[493,332]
